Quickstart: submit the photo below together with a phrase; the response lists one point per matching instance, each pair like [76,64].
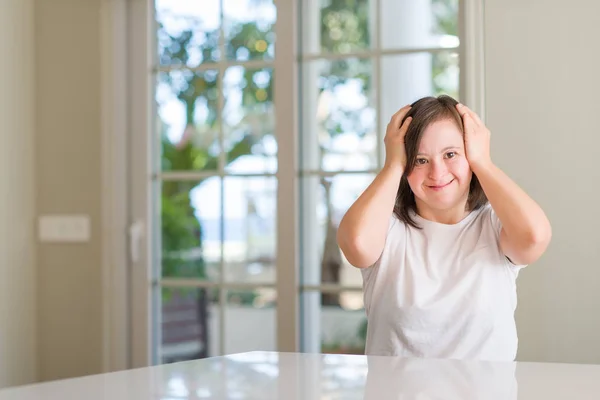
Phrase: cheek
[462,170]
[416,178]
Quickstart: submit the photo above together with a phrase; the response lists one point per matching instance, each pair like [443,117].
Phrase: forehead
[441,134]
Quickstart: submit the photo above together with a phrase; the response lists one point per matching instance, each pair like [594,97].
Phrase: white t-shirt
[445,291]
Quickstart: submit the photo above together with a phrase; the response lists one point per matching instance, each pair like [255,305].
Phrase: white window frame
[114,116]
[126,111]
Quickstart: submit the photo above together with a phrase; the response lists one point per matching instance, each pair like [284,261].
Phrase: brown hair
[424,112]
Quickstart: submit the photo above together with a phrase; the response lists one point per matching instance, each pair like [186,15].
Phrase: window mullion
[286,132]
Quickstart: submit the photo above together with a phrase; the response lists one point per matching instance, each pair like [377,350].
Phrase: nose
[437,169]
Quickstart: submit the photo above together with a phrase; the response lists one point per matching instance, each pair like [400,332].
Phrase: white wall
[542,94]
[18,352]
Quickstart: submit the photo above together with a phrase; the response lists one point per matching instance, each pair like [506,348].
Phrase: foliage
[354,345]
[445,23]
[445,12]
[181,230]
[199,148]
[345,26]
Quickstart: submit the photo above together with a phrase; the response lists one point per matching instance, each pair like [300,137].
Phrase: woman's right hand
[363,231]
[395,150]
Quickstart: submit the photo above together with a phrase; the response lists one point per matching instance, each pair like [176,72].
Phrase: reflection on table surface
[271,375]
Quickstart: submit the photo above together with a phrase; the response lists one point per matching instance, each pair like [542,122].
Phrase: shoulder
[480,229]
[398,232]
[491,223]
[488,218]
[394,225]
[395,234]
[395,230]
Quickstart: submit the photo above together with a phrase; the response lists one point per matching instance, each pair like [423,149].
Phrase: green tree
[181,229]
[445,14]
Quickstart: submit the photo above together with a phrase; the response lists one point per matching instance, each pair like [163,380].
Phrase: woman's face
[441,176]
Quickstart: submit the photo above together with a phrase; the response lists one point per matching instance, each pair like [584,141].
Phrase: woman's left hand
[476,137]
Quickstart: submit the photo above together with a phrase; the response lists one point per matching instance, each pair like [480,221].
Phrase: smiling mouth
[438,187]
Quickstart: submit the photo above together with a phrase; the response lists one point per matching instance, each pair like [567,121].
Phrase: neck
[448,216]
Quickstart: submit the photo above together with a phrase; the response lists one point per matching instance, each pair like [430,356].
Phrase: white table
[268,375]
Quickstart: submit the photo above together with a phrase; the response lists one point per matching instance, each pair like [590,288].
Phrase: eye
[420,161]
[450,154]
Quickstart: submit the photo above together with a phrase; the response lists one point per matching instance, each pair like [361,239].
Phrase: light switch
[64,228]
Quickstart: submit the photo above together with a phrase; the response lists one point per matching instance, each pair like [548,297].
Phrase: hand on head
[395,152]
[476,137]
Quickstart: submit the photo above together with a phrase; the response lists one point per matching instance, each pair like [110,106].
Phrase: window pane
[250,229]
[419,23]
[188,120]
[188,32]
[336,26]
[445,74]
[334,329]
[250,321]
[189,324]
[248,26]
[191,228]
[324,203]
[248,121]
[338,116]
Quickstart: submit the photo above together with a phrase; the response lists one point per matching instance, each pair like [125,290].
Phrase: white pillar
[404,78]
[18,352]
[406,24]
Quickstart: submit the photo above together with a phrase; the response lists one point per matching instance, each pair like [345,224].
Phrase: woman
[440,236]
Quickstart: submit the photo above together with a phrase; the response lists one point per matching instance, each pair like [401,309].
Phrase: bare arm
[363,230]
[526,231]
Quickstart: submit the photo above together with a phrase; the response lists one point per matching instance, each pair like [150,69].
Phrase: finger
[397,118]
[399,115]
[469,123]
[464,110]
[404,127]
[475,117]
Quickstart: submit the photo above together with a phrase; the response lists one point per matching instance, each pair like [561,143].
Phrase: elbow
[358,253]
[536,245]
[528,247]
[541,237]
[358,260]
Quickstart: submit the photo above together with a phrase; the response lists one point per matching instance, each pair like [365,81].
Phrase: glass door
[254,126]
[206,193]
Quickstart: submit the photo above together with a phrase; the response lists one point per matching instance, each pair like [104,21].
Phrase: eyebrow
[443,150]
